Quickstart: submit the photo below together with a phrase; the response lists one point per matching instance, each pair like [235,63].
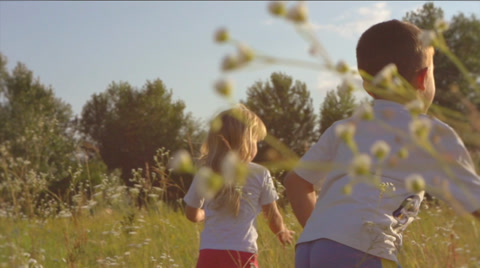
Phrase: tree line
[122,128]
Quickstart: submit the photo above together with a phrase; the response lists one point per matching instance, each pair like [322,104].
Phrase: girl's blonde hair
[234,130]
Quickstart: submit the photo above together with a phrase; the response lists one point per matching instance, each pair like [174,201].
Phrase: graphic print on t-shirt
[408,209]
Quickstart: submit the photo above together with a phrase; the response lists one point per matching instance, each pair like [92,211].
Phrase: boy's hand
[285,236]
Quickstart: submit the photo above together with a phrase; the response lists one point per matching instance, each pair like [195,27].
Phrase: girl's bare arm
[275,222]
[195,214]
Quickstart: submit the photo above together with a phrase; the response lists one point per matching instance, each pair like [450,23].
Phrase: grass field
[120,236]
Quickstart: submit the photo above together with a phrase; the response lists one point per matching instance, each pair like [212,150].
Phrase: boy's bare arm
[301,195]
[476,214]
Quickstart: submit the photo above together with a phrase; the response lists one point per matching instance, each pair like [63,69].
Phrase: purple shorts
[326,253]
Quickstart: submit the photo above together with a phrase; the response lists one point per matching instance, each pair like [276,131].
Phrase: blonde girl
[230,203]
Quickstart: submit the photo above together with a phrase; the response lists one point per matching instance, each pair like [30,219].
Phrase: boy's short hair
[392,42]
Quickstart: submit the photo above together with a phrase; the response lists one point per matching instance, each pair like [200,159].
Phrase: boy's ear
[421,76]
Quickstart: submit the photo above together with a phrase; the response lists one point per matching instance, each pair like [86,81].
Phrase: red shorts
[211,258]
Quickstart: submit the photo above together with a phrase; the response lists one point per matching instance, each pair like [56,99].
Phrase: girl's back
[224,230]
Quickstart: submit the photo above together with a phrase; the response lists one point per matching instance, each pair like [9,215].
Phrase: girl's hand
[285,236]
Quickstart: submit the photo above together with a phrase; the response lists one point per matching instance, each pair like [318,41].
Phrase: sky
[80,47]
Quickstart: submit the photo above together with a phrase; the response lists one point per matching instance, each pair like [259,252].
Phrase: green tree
[337,105]
[462,37]
[35,123]
[36,135]
[287,111]
[129,125]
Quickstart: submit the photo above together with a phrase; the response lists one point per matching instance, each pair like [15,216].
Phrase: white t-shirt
[365,220]
[224,230]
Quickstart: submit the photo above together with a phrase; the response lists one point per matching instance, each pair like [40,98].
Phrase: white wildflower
[427,37]
[224,87]
[360,165]
[380,149]
[420,128]
[245,53]
[415,183]
[387,187]
[229,166]
[77,198]
[92,203]
[64,214]
[364,111]
[230,62]
[157,189]
[134,191]
[346,87]
[345,131]
[415,107]
[181,162]
[342,67]
[298,13]
[233,169]
[222,35]
[441,25]
[277,8]
[208,182]
[385,75]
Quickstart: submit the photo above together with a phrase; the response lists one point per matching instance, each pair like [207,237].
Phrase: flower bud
[298,13]
[245,53]
[222,35]
[215,124]
[277,8]
[229,62]
[224,87]
[342,67]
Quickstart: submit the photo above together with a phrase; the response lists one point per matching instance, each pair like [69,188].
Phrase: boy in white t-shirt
[229,237]
[371,169]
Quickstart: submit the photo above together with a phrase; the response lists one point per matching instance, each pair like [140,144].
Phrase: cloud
[363,18]
[328,81]
[268,22]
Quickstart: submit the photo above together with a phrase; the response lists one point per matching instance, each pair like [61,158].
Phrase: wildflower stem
[301,63]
